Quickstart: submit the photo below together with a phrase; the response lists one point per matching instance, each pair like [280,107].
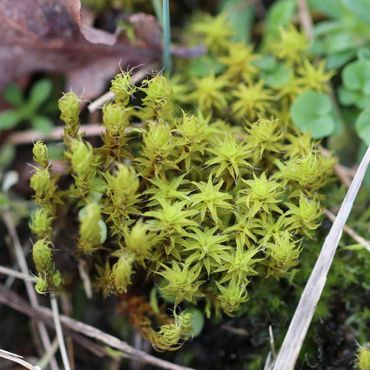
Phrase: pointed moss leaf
[42,124]
[40,92]
[13,95]
[9,119]
[313,112]
[363,126]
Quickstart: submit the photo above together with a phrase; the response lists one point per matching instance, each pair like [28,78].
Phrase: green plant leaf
[356,74]
[153,300]
[9,119]
[42,124]
[332,8]
[314,112]
[197,322]
[363,126]
[240,15]
[279,76]
[204,66]
[13,95]
[7,154]
[360,8]
[40,92]
[279,15]
[338,60]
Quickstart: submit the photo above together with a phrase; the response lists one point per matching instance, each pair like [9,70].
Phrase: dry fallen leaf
[49,35]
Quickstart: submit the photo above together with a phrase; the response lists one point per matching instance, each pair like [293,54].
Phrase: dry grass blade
[16,274]
[305,310]
[21,260]
[350,232]
[59,331]
[18,359]
[108,96]
[305,18]
[12,300]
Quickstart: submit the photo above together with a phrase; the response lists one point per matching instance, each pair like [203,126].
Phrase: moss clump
[197,203]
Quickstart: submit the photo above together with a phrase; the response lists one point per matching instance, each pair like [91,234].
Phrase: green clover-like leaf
[313,112]
[356,84]
[363,126]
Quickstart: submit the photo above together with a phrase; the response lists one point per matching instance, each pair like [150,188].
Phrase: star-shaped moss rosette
[200,186]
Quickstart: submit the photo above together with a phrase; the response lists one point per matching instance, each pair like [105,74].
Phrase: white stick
[16,274]
[18,359]
[59,331]
[21,259]
[305,310]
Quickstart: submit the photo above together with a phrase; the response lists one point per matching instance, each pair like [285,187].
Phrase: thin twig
[108,96]
[31,136]
[349,231]
[305,18]
[272,342]
[59,331]
[85,279]
[15,274]
[305,310]
[66,306]
[18,359]
[13,300]
[45,360]
[21,259]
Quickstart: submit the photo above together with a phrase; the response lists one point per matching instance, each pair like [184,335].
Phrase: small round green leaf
[363,126]
[355,74]
[313,112]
